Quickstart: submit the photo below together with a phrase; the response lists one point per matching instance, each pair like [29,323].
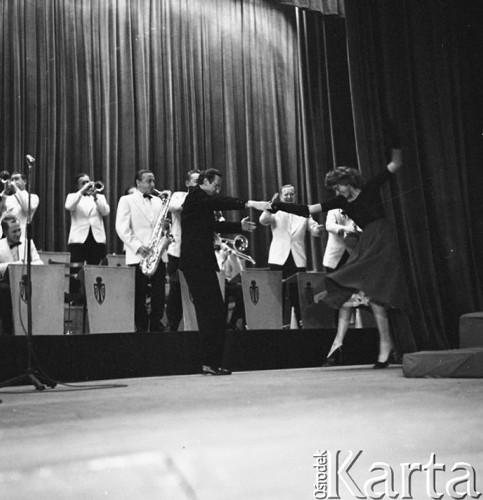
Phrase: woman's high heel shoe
[378,365]
[335,357]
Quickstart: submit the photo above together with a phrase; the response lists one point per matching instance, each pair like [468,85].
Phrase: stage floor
[250,436]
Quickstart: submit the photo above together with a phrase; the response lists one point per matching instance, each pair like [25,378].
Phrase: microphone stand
[30,376]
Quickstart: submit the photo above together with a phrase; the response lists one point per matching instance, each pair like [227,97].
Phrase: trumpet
[99,186]
[4,177]
[7,183]
[96,187]
[237,246]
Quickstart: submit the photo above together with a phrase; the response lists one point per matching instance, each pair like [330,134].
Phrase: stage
[72,358]
[250,436]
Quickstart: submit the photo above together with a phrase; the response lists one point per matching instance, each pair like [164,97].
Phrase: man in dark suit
[198,260]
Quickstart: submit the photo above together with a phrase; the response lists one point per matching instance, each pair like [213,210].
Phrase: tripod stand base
[30,377]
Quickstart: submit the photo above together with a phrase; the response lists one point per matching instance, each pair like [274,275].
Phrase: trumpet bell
[4,177]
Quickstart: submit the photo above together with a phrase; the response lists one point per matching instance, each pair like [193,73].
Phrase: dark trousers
[288,269]
[210,313]
[155,286]
[174,305]
[90,252]
[233,291]
[6,308]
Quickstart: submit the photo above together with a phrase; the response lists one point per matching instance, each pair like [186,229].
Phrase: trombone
[236,246]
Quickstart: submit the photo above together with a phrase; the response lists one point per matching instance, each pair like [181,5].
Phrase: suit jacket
[85,214]
[336,220]
[198,227]
[7,256]
[288,235]
[135,221]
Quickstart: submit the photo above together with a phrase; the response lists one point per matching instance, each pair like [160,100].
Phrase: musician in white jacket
[13,249]
[287,250]
[15,201]
[87,236]
[135,220]
[339,226]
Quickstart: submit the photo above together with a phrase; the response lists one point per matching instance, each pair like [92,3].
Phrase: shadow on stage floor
[75,358]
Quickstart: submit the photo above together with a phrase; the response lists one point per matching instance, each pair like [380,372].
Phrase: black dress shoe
[378,365]
[209,370]
[223,371]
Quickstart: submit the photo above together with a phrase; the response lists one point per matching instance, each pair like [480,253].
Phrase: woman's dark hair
[208,174]
[345,176]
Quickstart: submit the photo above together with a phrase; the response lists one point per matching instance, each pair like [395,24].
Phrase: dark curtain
[108,88]
[405,63]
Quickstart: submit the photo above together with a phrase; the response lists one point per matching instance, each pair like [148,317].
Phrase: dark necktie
[13,245]
[148,196]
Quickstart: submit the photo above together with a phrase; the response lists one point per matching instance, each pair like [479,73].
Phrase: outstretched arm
[257,205]
[293,208]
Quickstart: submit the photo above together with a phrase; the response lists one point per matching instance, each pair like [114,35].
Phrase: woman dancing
[373,275]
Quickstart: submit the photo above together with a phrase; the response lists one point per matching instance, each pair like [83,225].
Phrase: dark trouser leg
[234,290]
[140,291]
[288,269]
[158,297]
[210,313]
[6,308]
[174,308]
[77,254]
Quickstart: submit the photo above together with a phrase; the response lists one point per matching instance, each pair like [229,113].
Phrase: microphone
[30,159]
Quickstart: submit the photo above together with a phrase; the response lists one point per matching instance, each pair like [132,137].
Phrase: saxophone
[161,236]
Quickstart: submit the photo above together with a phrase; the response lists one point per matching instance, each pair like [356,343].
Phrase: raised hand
[248,225]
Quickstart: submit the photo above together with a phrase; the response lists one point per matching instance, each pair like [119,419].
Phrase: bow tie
[148,196]
[13,245]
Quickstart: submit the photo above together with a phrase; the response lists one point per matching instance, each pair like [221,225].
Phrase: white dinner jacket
[7,255]
[17,205]
[335,221]
[135,220]
[288,234]
[175,207]
[86,213]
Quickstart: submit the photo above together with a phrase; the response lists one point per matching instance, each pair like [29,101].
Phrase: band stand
[30,376]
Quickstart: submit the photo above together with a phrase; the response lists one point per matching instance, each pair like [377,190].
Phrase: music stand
[30,376]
